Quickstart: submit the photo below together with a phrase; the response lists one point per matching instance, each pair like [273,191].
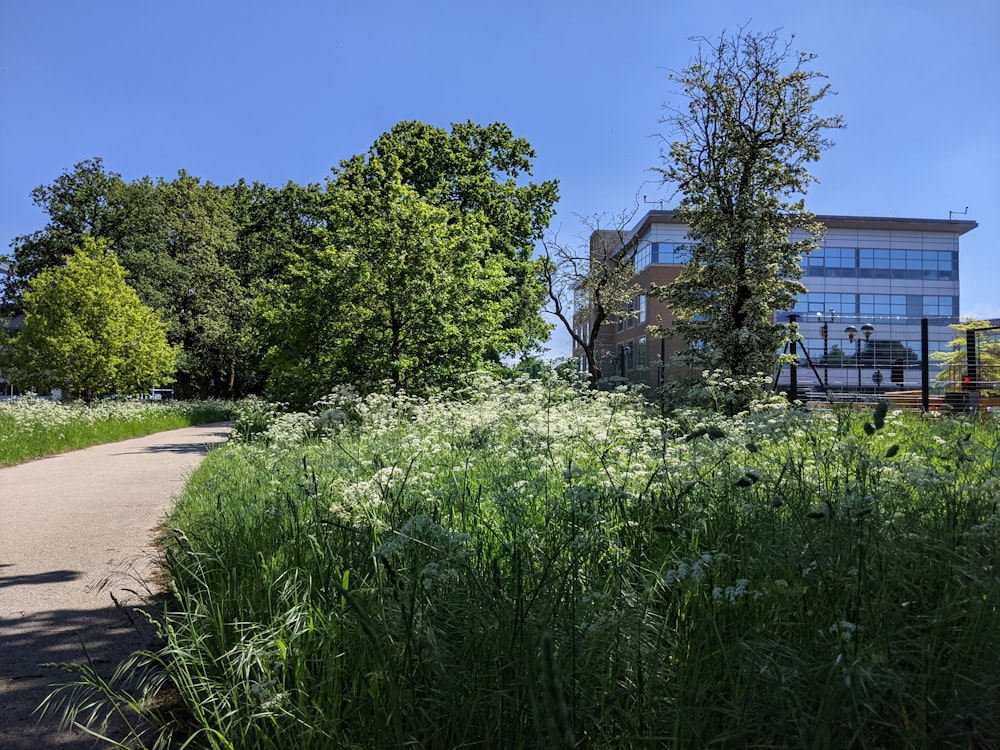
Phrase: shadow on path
[166,448]
[38,579]
[31,645]
[174,447]
[76,561]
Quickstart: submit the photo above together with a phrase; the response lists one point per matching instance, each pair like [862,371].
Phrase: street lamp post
[824,330]
[867,329]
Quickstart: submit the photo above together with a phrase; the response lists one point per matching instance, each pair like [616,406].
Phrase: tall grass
[31,428]
[531,565]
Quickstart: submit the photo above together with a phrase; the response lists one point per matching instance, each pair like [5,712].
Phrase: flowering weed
[34,427]
[523,561]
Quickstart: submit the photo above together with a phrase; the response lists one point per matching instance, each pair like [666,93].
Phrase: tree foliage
[477,169]
[84,201]
[401,291]
[741,164]
[246,273]
[87,332]
[178,240]
[416,265]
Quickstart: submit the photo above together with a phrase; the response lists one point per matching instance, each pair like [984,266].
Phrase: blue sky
[279,91]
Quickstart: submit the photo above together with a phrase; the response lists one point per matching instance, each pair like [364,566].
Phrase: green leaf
[86,331]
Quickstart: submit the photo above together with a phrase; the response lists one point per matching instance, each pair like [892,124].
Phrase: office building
[874,277]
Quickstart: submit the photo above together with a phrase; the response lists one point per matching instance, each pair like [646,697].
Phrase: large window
[882,263]
[670,252]
[940,306]
[660,253]
[879,306]
[643,256]
[817,302]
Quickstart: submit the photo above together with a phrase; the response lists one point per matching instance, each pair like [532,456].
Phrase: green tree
[402,290]
[275,226]
[278,230]
[478,169]
[85,200]
[954,361]
[86,331]
[180,242]
[740,162]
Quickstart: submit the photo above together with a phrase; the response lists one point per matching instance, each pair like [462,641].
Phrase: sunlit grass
[530,565]
[32,428]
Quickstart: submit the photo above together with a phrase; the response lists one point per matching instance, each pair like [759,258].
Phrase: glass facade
[882,263]
[837,262]
[942,309]
[660,253]
[879,351]
[860,263]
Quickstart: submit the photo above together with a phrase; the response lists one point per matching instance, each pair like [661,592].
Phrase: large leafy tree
[740,162]
[205,257]
[178,240]
[478,169]
[402,290]
[85,200]
[275,226]
[87,332]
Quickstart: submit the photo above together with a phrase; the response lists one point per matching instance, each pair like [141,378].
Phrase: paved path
[75,531]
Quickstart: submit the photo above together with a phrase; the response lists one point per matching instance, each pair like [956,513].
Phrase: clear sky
[278,91]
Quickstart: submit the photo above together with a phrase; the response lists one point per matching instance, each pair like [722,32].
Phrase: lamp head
[851,332]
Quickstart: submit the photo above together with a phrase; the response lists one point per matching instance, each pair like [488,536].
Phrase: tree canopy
[178,239]
[401,292]
[477,169]
[417,255]
[86,331]
[740,162]
[417,265]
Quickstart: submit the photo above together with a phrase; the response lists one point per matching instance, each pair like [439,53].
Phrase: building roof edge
[959,226]
[836,221]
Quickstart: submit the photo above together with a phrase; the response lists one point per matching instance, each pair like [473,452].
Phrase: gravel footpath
[76,533]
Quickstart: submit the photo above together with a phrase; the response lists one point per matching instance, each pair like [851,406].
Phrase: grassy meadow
[35,427]
[532,565]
